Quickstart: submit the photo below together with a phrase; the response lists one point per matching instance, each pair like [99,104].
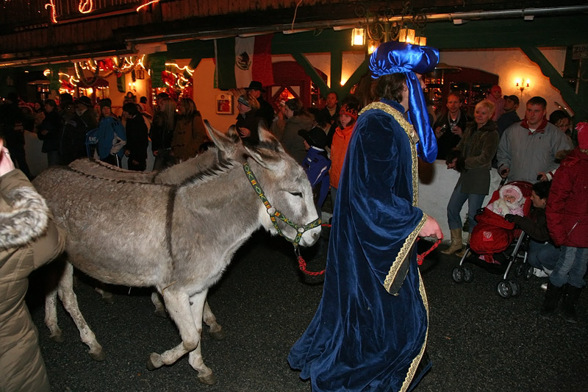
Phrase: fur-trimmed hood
[25,218]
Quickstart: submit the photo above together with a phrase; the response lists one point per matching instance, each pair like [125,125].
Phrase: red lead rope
[302,263]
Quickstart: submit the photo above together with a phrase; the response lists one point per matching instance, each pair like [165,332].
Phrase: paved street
[478,341]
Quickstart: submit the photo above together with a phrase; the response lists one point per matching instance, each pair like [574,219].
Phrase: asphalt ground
[478,341]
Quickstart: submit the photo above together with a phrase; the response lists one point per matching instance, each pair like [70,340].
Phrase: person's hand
[504,171]
[457,131]
[431,228]
[509,217]
[451,164]
[6,164]
[438,132]
[542,176]
[244,132]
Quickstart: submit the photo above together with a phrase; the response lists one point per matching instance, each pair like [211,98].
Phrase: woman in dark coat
[476,150]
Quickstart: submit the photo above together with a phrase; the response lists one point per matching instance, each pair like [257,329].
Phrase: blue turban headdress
[397,57]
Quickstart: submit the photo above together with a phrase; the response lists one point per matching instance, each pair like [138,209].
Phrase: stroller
[491,239]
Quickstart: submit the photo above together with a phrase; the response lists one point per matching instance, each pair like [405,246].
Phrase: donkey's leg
[198,306]
[51,315]
[70,303]
[159,306]
[179,309]
[215,329]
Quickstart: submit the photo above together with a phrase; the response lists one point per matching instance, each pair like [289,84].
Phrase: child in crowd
[511,201]
[542,253]
[341,137]
[316,164]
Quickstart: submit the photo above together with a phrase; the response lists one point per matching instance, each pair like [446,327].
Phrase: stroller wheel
[514,287]
[468,274]
[458,274]
[504,289]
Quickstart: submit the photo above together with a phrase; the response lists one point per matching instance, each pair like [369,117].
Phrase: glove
[510,217]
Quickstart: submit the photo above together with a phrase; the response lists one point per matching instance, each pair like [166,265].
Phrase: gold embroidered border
[403,254]
[417,360]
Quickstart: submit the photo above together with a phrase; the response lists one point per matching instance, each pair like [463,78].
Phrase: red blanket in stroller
[493,234]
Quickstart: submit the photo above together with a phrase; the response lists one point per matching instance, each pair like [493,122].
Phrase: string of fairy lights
[87,7]
[88,72]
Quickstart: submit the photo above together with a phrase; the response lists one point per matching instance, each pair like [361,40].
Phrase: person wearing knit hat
[370,329]
[567,221]
[340,140]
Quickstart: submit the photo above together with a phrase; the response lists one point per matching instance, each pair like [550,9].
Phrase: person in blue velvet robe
[369,332]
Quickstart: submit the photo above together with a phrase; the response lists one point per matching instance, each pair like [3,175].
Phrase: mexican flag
[241,60]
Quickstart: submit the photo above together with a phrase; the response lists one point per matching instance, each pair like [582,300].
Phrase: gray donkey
[176,237]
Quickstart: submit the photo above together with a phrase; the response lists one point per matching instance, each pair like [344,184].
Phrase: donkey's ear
[266,157]
[228,142]
[268,139]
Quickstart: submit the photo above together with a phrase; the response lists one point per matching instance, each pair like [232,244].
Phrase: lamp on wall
[522,85]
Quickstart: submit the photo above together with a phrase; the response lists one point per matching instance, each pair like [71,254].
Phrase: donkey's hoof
[108,298]
[57,337]
[208,379]
[154,361]
[217,335]
[161,313]
[98,355]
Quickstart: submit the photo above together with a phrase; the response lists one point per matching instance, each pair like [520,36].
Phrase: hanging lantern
[358,37]
[406,35]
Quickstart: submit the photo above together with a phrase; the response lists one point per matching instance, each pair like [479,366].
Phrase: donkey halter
[276,214]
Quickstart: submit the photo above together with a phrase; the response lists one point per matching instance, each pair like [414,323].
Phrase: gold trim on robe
[406,248]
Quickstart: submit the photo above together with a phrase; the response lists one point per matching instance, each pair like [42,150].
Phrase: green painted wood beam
[509,33]
[310,71]
[578,103]
[336,70]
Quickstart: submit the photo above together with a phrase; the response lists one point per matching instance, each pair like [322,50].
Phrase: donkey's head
[286,203]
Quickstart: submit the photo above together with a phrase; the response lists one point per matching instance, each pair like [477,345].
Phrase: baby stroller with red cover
[490,240]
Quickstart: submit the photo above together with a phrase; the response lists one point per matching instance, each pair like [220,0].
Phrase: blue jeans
[543,255]
[456,202]
[570,267]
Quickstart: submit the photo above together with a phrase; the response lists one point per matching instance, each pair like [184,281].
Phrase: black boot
[570,298]
[551,300]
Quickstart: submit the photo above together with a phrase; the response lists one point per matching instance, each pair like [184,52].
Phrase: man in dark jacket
[265,111]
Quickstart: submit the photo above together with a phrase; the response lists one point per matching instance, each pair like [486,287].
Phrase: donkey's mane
[111,179]
[224,165]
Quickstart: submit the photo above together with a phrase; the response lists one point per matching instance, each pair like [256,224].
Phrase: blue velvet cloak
[369,331]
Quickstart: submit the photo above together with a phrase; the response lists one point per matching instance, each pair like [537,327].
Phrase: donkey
[178,238]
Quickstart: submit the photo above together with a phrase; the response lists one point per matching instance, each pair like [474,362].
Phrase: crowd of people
[363,151]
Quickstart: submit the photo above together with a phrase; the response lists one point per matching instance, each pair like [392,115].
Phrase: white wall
[510,65]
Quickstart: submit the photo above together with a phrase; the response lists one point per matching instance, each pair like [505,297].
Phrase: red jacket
[567,204]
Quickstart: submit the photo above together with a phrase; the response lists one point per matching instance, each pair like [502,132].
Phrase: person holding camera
[450,126]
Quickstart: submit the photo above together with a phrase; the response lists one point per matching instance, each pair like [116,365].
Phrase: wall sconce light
[522,85]
[358,37]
